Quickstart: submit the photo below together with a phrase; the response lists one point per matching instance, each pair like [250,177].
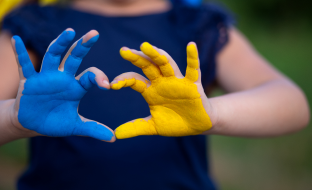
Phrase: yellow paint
[175,104]
[136,85]
[7,5]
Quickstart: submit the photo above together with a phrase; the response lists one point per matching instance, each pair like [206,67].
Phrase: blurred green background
[281,31]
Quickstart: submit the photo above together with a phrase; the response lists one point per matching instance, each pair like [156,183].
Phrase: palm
[172,102]
[48,101]
[172,88]
[175,103]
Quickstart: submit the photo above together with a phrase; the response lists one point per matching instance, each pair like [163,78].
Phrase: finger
[150,70]
[93,76]
[135,128]
[156,57]
[52,58]
[95,130]
[134,80]
[26,68]
[78,51]
[192,70]
[173,64]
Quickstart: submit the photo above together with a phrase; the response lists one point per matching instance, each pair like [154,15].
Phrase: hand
[47,102]
[175,101]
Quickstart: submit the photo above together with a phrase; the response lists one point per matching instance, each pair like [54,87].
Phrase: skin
[261,102]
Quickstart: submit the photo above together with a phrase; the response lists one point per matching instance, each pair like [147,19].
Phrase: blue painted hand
[47,102]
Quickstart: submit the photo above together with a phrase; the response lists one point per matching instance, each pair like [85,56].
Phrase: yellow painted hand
[175,102]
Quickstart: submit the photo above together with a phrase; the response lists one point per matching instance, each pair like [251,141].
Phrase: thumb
[135,128]
[95,130]
[93,76]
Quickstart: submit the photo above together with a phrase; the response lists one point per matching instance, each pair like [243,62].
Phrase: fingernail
[124,48]
[191,43]
[105,82]
[69,29]
[103,88]
[91,41]
[114,81]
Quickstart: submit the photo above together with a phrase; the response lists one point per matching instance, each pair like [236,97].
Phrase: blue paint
[88,80]
[24,60]
[73,61]
[102,88]
[192,3]
[53,55]
[50,98]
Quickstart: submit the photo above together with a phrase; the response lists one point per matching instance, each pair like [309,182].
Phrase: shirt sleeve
[207,25]
[212,35]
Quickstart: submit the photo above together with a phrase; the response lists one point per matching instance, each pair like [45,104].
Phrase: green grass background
[283,163]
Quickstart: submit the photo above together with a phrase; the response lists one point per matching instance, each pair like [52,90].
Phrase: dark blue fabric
[146,162]
[188,2]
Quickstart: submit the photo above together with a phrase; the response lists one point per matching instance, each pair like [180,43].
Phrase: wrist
[14,127]
[213,112]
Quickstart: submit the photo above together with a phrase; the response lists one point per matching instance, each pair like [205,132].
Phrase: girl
[261,102]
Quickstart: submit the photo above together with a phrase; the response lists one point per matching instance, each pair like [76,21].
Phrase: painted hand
[47,102]
[175,101]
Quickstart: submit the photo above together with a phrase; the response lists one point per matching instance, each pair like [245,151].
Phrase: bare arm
[8,130]
[261,101]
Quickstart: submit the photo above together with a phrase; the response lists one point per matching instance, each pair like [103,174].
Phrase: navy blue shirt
[145,162]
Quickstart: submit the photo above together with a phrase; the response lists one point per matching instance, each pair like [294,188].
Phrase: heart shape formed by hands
[47,102]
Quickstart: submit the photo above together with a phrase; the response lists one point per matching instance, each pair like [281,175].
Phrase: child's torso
[152,162]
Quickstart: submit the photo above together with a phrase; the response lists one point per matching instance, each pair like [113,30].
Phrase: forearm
[8,130]
[275,108]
